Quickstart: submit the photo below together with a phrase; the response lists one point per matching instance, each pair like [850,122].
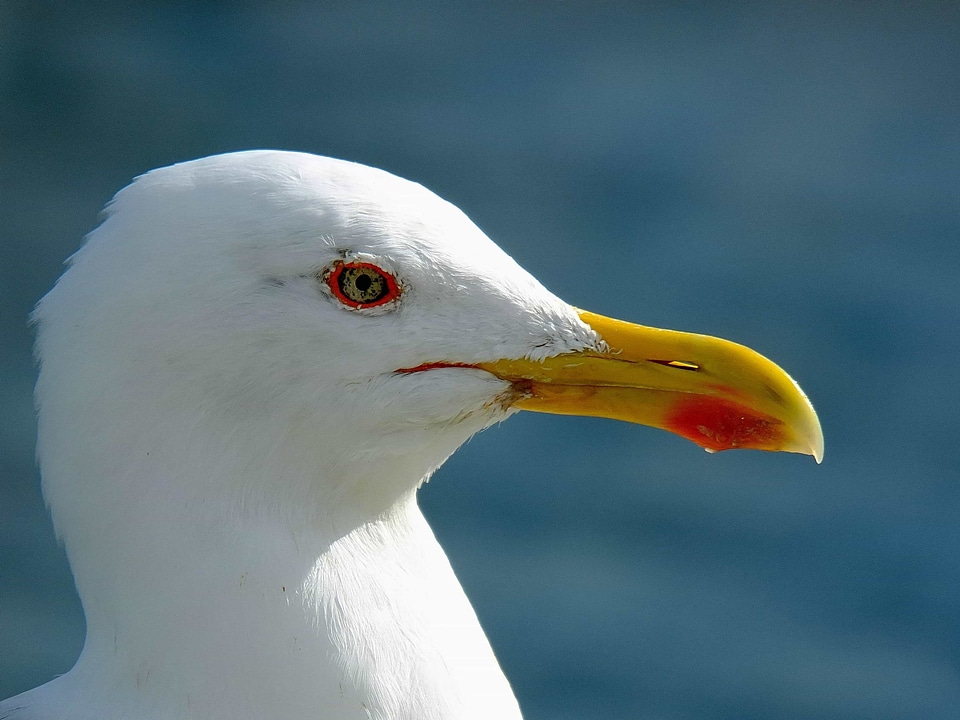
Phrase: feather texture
[231,458]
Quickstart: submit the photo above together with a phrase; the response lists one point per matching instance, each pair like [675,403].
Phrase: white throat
[370,623]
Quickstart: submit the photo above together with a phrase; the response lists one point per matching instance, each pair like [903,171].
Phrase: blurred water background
[786,175]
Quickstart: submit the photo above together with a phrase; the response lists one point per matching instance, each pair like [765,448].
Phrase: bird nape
[246,373]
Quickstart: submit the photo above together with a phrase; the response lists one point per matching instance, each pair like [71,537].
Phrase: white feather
[231,459]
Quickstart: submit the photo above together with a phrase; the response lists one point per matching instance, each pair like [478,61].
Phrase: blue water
[783,176]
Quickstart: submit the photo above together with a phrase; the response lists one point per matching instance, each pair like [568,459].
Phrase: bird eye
[362,285]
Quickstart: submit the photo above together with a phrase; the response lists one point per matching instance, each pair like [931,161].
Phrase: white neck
[370,624]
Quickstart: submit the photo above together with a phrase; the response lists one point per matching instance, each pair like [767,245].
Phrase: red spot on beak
[717,424]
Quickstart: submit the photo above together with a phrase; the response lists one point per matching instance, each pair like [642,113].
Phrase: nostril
[678,364]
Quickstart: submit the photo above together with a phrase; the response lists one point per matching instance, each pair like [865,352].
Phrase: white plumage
[231,455]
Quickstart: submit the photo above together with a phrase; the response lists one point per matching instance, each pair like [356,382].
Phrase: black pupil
[363,285]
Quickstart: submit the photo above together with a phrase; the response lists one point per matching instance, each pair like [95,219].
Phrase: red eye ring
[362,285]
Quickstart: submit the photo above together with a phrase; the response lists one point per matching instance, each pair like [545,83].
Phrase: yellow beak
[718,394]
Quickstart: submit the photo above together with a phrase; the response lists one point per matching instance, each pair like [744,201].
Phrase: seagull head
[264,304]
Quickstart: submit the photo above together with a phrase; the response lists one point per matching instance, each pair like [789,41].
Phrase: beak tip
[815,438]
[818,450]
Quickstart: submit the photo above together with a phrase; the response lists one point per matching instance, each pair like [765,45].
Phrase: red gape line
[333,282]
[436,366]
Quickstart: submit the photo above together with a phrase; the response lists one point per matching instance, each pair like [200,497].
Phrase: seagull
[246,373]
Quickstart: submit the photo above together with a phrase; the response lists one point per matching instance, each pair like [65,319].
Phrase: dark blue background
[783,175]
